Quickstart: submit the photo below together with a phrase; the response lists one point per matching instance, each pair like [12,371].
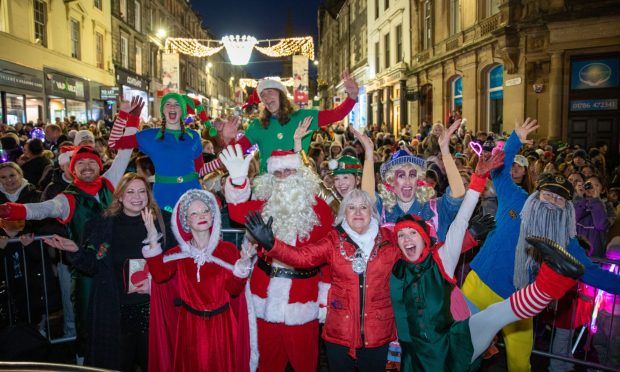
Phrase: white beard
[291,204]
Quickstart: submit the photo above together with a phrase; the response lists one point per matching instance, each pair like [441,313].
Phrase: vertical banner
[170,72]
[300,77]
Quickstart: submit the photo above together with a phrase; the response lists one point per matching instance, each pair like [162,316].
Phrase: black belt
[281,272]
[205,313]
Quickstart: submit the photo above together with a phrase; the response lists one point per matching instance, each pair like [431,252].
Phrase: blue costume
[173,158]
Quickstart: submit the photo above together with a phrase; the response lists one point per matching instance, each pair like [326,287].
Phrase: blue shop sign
[595,73]
[594,105]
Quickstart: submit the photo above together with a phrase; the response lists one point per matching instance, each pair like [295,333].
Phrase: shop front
[67,96]
[132,85]
[21,94]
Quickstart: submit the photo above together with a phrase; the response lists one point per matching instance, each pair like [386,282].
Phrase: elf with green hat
[175,150]
[347,174]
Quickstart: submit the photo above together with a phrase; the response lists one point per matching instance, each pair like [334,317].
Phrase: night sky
[265,19]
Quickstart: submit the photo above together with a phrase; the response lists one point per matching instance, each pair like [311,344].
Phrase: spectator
[35,165]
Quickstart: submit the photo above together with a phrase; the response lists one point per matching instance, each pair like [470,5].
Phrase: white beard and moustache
[539,219]
[290,202]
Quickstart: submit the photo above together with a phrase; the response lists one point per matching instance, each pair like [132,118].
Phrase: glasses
[201,213]
[553,198]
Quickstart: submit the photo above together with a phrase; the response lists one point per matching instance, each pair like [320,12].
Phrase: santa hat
[65,155]
[418,224]
[280,160]
[253,99]
[85,152]
[271,84]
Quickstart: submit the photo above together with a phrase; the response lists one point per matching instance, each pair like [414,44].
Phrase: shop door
[586,131]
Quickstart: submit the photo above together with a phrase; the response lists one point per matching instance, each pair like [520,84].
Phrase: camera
[588,186]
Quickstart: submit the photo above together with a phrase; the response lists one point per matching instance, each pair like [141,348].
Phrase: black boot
[557,257]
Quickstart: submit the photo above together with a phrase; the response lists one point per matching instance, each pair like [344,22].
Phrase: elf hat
[85,152]
[280,160]
[270,84]
[419,225]
[181,99]
[345,164]
[253,99]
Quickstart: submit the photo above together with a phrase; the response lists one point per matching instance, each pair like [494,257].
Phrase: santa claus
[285,300]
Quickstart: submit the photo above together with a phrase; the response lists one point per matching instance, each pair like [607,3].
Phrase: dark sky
[264,19]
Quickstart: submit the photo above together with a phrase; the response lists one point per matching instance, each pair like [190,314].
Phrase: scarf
[91,188]
[366,240]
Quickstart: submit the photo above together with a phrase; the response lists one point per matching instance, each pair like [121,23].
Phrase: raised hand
[350,85]
[260,230]
[369,147]
[301,132]
[61,243]
[523,130]
[234,162]
[487,164]
[248,250]
[149,224]
[481,225]
[446,135]
[137,103]
[228,128]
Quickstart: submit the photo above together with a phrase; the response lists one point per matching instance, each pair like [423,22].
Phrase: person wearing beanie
[84,138]
[286,302]
[503,266]
[86,197]
[279,119]
[580,158]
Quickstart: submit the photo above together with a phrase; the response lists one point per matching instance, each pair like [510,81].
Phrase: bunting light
[239,48]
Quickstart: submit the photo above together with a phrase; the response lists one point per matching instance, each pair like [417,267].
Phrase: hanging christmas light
[239,48]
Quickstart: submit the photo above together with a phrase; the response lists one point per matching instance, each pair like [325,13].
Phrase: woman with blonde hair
[118,315]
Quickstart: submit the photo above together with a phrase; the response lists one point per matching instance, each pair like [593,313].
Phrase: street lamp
[239,48]
[209,65]
[316,62]
[161,33]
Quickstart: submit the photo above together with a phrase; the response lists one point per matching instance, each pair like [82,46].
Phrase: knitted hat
[85,152]
[522,161]
[280,160]
[581,153]
[270,84]
[401,157]
[556,184]
[345,165]
[419,225]
[181,99]
[83,135]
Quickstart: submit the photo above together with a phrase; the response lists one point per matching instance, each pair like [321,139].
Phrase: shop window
[34,109]
[457,94]
[15,109]
[77,109]
[57,109]
[98,4]
[75,39]
[40,22]
[495,98]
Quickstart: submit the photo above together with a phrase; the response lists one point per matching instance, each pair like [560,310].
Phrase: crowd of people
[417,247]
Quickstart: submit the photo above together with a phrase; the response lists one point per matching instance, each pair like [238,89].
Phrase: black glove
[481,225]
[260,230]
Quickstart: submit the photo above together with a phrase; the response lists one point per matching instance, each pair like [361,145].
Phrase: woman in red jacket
[360,321]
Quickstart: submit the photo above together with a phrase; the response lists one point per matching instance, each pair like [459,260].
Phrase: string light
[252,83]
[239,48]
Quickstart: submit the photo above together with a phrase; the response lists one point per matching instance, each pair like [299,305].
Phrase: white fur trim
[236,195]
[242,268]
[275,163]
[270,84]
[64,158]
[254,354]
[148,252]
[277,309]
[323,291]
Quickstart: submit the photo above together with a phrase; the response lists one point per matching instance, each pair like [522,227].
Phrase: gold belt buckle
[180,179]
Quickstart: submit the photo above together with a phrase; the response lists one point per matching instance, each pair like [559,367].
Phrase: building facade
[54,59]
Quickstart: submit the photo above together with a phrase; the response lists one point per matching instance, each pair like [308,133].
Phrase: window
[490,8]
[75,39]
[99,4]
[137,16]
[457,94]
[386,41]
[377,60]
[138,58]
[427,40]
[364,49]
[40,22]
[399,43]
[123,9]
[495,98]
[376,9]
[387,4]
[455,16]
[124,51]
[99,49]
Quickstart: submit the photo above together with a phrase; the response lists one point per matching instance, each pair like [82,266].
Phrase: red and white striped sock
[529,301]
[118,128]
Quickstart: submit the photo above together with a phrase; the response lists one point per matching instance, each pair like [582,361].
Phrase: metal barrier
[235,236]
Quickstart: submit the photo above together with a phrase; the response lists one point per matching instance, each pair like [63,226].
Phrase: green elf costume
[430,338]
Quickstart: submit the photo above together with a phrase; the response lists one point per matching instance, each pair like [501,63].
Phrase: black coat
[35,168]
